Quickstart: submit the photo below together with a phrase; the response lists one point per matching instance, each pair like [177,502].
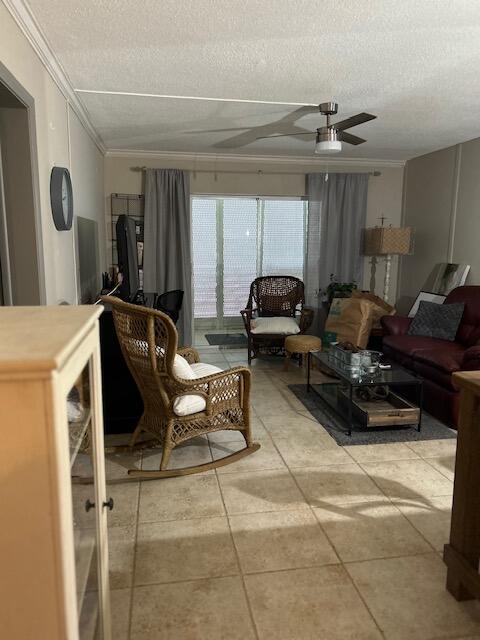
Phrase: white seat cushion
[187,405]
[276,325]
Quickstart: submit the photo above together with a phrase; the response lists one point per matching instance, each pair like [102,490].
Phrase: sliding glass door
[235,240]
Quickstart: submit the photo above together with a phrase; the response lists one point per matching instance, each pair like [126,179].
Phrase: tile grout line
[335,551]
[237,557]
[390,499]
[427,460]
[134,564]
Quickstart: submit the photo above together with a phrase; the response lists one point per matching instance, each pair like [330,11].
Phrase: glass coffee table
[338,393]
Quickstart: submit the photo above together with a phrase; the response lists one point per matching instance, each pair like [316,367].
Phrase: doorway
[21,275]
[235,240]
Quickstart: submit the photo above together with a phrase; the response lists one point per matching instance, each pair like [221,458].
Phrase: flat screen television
[127,257]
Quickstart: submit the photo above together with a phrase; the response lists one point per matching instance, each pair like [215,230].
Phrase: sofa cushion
[437,320]
[275,325]
[411,345]
[446,359]
[432,373]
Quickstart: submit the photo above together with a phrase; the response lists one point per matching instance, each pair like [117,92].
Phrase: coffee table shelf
[338,393]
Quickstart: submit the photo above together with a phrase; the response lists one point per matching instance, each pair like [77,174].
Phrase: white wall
[61,140]
[442,203]
[262,178]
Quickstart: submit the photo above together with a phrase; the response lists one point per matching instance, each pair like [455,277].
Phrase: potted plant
[339,289]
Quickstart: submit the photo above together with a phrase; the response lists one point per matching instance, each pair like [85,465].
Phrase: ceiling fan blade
[353,121]
[218,130]
[348,137]
[240,140]
[283,135]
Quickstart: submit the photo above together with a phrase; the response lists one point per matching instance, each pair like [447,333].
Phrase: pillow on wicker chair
[186,405]
[276,325]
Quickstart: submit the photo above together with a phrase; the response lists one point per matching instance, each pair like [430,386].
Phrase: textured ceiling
[413,64]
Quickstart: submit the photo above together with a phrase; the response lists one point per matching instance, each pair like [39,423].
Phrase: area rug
[227,340]
[432,429]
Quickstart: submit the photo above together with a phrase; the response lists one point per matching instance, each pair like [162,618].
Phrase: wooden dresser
[53,534]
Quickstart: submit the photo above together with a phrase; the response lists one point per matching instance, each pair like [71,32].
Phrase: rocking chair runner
[274,296]
[148,339]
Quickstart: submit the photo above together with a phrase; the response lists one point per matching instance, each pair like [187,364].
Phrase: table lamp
[388,242]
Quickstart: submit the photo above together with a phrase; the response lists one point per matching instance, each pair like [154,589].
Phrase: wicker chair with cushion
[182,397]
[275,309]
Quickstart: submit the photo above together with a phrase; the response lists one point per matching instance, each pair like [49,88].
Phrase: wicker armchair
[274,296]
[148,339]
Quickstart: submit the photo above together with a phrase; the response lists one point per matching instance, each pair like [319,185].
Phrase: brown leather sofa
[435,360]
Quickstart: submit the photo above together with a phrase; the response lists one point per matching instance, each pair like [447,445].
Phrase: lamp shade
[387,241]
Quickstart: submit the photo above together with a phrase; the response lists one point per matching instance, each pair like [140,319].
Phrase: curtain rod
[261,172]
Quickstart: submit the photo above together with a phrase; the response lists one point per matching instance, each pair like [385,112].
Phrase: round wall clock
[61,198]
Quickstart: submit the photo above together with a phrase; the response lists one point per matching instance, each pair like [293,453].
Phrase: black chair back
[170,303]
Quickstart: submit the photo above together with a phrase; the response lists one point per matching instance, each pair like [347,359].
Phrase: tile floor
[302,540]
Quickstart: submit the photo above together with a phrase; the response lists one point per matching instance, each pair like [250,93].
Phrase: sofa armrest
[471,359]
[395,325]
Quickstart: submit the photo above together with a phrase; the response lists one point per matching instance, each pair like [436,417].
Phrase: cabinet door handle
[109,504]
[89,505]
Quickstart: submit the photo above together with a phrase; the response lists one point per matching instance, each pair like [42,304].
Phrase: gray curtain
[167,261]
[337,209]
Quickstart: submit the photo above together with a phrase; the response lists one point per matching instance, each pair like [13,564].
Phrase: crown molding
[231,158]
[23,16]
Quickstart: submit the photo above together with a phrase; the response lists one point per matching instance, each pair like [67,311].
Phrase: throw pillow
[437,320]
[276,325]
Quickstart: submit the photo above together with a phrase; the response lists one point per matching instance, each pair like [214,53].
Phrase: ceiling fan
[329,138]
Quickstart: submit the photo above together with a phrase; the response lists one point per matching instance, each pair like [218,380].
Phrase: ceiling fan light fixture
[327,141]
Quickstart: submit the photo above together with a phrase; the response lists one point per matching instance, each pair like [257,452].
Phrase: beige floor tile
[258,429]
[290,423]
[310,452]
[431,517]
[336,484]
[120,613]
[180,498]
[116,464]
[408,599]
[408,479]
[271,405]
[434,448]
[188,454]
[258,491]
[121,550]
[444,464]
[227,435]
[309,604]
[265,458]
[367,530]
[380,452]
[184,550]
[280,540]
[213,609]
[258,433]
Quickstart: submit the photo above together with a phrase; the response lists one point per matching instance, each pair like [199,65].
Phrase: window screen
[237,239]
[204,244]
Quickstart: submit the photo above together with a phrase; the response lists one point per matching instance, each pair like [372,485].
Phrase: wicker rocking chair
[274,296]
[148,339]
